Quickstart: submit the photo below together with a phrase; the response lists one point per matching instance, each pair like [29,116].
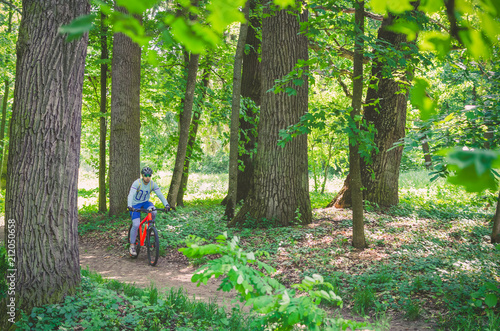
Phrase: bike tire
[153,244]
[137,243]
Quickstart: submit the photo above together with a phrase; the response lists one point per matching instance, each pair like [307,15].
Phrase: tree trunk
[103,125]
[4,118]
[184,123]
[193,131]
[388,116]
[250,89]
[124,152]
[42,184]
[427,155]
[280,186]
[495,234]
[235,118]
[358,232]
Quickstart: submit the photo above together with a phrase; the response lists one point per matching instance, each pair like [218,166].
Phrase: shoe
[132,250]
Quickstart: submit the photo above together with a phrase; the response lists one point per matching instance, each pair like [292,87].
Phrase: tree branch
[373,16]
[11,6]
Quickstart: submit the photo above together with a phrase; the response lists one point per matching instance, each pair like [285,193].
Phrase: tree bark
[42,181]
[235,118]
[280,187]
[193,131]
[427,155]
[495,234]
[250,89]
[102,124]
[4,118]
[184,123]
[386,101]
[358,232]
[124,152]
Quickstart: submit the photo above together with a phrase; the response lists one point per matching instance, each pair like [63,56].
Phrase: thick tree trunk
[280,188]
[41,224]
[184,123]
[235,119]
[103,125]
[495,234]
[193,131]
[124,152]
[380,176]
[358,227]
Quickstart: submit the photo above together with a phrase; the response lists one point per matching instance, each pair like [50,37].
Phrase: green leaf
[78,27]
[491,300]
[409,28]
[420,100]
[435,41]
[223,13]
[431,6]
[285,3]
[478,303]
[240,280]
[473,169]
[136,7]
[394,6]
[476,44]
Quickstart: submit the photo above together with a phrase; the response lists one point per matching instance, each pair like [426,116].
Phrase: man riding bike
[138,198]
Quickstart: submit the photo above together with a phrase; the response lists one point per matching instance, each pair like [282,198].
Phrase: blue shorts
[143,205]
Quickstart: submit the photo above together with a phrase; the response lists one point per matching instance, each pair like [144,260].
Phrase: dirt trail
[118,265]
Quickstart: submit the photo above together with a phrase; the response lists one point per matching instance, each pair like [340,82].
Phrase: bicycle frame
[142,233]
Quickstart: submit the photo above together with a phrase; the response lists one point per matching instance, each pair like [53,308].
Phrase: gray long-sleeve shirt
[140,192]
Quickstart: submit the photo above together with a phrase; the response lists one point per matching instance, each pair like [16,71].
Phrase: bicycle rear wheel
[153,244]
[137,242]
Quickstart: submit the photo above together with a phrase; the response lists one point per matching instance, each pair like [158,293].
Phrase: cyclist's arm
[131,193]
[160,195]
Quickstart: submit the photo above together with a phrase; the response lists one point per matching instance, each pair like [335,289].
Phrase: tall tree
[102,124]
[193,131]
[235,118]
[124,152]
[495,234]
[358,235]
[42,182]
[251,94]
[280,187]
[385,110]
[184,123]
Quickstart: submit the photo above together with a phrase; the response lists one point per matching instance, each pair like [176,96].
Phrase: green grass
[111,305]
[429,256]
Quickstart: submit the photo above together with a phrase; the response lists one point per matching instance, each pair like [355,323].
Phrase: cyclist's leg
[136,221]
[150,204]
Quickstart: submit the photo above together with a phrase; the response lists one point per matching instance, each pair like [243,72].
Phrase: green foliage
[4,266]
[110,305]
[280,307]
[474,169]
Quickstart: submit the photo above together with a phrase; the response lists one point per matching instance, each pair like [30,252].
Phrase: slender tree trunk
[193,131]
[184,123]
[124,152]
[5,156]
[427,155]
[42,183]
[280,186]
[495,234]
[250,89]
[358,232]
[103,125]
[4,118]
[235,118]
[386,101]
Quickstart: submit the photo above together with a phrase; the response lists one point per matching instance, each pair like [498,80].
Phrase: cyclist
[138,197]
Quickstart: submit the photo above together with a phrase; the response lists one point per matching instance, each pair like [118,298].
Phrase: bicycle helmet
[147,171]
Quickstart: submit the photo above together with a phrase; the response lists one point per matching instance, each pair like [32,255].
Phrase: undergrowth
[429,258]
[111,305]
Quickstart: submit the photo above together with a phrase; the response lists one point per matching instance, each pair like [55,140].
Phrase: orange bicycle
[147,236]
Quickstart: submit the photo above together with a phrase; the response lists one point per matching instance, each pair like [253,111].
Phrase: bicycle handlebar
[142,210]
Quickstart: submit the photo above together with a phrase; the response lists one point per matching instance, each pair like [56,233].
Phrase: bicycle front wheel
[153,244]
[137,243]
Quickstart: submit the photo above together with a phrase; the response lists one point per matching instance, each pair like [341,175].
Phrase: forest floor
[107,255]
